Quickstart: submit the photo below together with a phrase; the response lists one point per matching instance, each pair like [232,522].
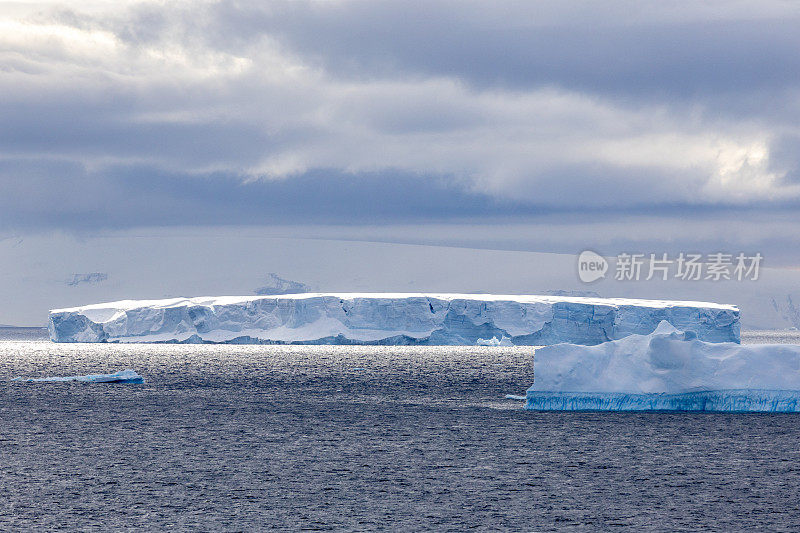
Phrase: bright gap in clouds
[176,73]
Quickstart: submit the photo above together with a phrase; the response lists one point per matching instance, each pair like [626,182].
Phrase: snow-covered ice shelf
[388,318]
[666,370]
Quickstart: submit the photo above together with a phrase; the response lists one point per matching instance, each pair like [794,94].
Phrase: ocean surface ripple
[363,438]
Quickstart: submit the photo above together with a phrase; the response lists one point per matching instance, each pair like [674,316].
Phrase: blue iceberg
[735,401]
[388,319]
[123,376]
[666,370]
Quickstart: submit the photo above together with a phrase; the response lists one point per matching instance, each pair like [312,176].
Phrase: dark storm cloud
[57,193]
[363,112]
[43,194]
[785,155]
[598,48]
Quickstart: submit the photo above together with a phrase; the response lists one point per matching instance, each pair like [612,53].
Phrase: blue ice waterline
[734,400]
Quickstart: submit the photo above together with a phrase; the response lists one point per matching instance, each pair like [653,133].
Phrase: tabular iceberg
[666,370]
[387,318]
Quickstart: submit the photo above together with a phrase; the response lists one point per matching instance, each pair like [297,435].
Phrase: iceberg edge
[731,401]
[387,319]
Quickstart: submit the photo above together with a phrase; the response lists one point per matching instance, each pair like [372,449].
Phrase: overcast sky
[511,123]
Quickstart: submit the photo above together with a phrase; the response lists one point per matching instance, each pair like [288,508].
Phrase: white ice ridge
[667,369]
[387,318]
[123,376]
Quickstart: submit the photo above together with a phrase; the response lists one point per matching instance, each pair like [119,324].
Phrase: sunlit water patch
[363,438]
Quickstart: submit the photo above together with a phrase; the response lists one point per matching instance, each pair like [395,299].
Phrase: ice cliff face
[383,318]
[744,400]
[667,369]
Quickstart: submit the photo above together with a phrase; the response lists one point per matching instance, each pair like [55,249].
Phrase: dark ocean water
[244,438]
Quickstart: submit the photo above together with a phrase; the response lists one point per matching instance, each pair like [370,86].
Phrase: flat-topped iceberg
[387,318]
[666,370]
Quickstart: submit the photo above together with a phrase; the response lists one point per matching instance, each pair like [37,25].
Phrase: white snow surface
[387,318]
[667,361]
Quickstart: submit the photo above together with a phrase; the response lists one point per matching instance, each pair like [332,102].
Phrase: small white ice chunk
[494,341]
[123,376]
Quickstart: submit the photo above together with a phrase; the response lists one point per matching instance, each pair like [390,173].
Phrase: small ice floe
[494,341]
[515,397]
[123,376]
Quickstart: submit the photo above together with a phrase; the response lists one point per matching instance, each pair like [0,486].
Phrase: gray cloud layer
[363,112]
